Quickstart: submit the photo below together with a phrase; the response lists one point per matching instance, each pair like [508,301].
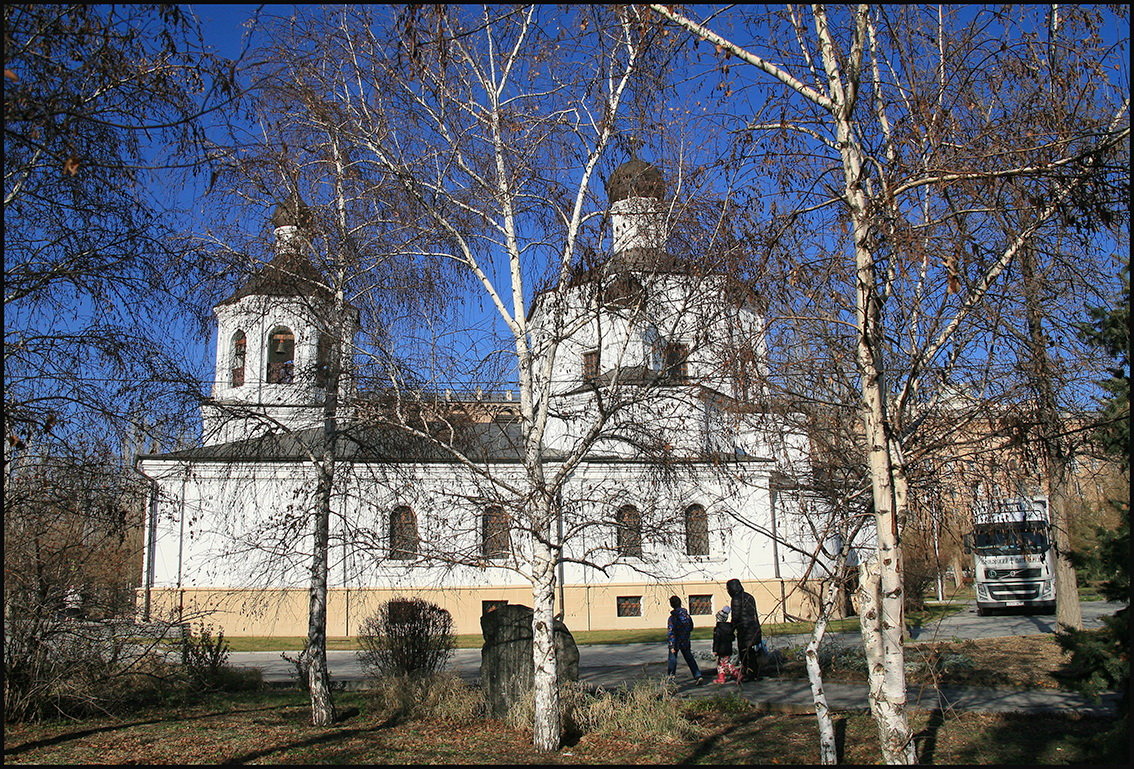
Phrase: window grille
[496,540]
[239,355]
[696,530]
[629,523]
[675,360]
[629,605]
[700,604]
[590,366]
[403,534]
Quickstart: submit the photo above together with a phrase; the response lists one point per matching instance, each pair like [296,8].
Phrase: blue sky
[227,27]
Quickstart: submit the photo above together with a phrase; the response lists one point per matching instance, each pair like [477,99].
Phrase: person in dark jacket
[746,623]
[722,647]
[678,632]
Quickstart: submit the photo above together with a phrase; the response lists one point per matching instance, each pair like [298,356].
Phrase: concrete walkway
[780,695]
[614,665]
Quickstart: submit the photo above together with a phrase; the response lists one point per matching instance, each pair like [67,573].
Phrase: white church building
[670,480]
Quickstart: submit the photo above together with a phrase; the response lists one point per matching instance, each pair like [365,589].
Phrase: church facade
[668,480]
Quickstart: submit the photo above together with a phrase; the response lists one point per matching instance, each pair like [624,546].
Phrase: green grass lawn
[933,612]
[644,635]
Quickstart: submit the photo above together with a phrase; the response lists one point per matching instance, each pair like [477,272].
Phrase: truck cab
[1012,557]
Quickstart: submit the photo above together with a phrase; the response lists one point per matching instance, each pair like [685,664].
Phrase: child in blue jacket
[678,631]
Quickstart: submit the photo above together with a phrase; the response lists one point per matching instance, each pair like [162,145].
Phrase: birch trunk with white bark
[828,750]
[888,483]
[547,722]
[315,651]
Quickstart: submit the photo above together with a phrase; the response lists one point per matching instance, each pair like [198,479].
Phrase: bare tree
[97,106]
[324,258]
[456,128]
[98,101]
[921,153]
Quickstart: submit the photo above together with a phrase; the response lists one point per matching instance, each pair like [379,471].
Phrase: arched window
[323,362]
[696,530]
[237,354]
[403,533]
[629,525]
[496,537]
[675,360]
[281,356]
[590,366]
[624,292]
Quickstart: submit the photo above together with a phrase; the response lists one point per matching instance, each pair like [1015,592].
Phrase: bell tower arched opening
[281,356]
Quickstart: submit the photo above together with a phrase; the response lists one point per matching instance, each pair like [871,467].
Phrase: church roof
[369,442]
[289,273]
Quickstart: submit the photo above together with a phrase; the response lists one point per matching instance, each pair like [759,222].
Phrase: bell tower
[274,338]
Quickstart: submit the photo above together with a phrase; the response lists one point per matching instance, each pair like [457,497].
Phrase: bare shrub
[204,660]
[204,656]
[918,575]
[406,637]
[299,669]
[69,668]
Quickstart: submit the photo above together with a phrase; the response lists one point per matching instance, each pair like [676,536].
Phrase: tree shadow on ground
[81,733]
[840,738]
[332,735]
[925,741]
[709,747]
[1093,740]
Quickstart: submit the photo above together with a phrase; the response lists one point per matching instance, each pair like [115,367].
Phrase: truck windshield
[1010,539]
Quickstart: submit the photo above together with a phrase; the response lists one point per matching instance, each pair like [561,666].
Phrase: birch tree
[337,260]
[481,109]
[922,115]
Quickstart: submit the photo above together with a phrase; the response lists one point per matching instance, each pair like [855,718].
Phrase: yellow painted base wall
[249,612]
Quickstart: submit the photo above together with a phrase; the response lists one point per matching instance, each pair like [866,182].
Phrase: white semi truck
[1012,556]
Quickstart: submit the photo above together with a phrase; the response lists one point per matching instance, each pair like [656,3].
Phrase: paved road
[611,665]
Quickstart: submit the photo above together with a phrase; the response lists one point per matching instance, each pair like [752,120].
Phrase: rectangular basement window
[700,604]
[629,605]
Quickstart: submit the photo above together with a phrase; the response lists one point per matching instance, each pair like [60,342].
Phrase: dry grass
[439,697]
[439,722]
[273,728]
[645,712]
[1032,662]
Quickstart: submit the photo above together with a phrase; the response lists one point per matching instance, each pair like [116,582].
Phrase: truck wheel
[981,611]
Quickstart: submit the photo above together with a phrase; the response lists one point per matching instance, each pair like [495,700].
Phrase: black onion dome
[635,179]
[293,212]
